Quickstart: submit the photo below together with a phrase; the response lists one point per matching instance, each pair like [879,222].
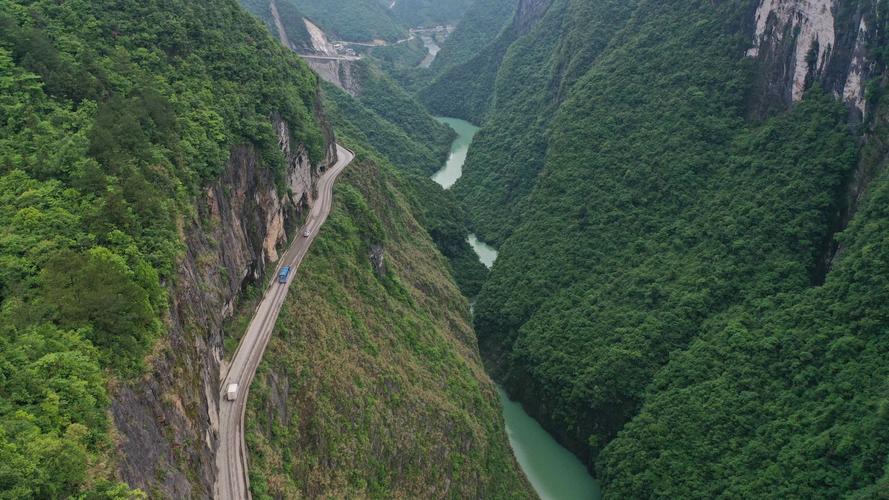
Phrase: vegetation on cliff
[427,13]
[416,158]
[291,18]
[113,115]
[351,20]
[372,385]
[483,21]
[662,258]
[509,151]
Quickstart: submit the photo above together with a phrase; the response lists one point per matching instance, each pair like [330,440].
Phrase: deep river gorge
[554,472]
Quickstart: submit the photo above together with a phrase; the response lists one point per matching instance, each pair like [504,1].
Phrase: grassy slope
[372,385]
[437,209]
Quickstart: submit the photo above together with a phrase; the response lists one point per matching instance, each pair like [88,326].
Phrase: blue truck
[284,274]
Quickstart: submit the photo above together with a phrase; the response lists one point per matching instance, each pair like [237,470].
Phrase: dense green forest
[291,19]
[662,301]
[365,20]
[465,90]
[352,20]
[532,81]
[482,23]
[380,94]
[785,398]
[422,13]
[114,114]
[436,209]
[385,117]
[685,296]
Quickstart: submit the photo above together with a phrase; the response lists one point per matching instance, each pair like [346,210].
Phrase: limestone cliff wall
[166,420]
[799,42]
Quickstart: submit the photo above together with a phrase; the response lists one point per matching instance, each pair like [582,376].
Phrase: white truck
[231,393]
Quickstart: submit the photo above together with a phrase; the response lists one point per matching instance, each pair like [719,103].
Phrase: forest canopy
[113,116]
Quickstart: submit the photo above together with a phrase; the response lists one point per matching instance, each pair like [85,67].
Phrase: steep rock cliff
[799,42]
[166,419]
[372,385]
[638,227]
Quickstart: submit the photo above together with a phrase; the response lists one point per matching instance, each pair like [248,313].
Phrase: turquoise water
[554,472]
[453,169]
[486,253]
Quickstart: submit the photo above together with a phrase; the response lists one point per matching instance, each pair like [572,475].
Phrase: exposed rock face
[337,72]
[328,64]
[279,25]
[320,42]
[799,42]
[528,13]
[166,419]
[377,259]
[853,90]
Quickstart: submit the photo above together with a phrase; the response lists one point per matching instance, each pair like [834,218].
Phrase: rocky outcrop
[320,43]
[279,25]
[336,71]
[528,13]
[322,56]
[165,420]
[800,42]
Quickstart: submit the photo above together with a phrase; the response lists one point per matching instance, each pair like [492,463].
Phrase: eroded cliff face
[322,56]
[339,72]
[799,42]
[166,420]
[528,13]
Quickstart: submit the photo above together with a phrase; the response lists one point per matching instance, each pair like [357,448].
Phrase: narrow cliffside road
[231,458]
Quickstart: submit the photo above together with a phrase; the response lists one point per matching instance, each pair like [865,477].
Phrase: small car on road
[231,392]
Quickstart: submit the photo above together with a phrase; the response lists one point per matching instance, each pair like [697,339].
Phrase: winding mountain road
[231,458]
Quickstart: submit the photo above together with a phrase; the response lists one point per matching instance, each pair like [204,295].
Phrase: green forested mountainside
[422,13]
[379,93]
[400,60]
[669,252]
[351,20]
[464,91]
[482,23]
[363,20]
[291,19]
[387,137]
[385,117]
[796,386]
[532,81]
[372,385]
[113,114]
[786,398]
[436,209]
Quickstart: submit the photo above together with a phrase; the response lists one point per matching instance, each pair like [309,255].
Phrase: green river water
[554,472]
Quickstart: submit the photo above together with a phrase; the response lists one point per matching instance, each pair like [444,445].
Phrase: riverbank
[553,471]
